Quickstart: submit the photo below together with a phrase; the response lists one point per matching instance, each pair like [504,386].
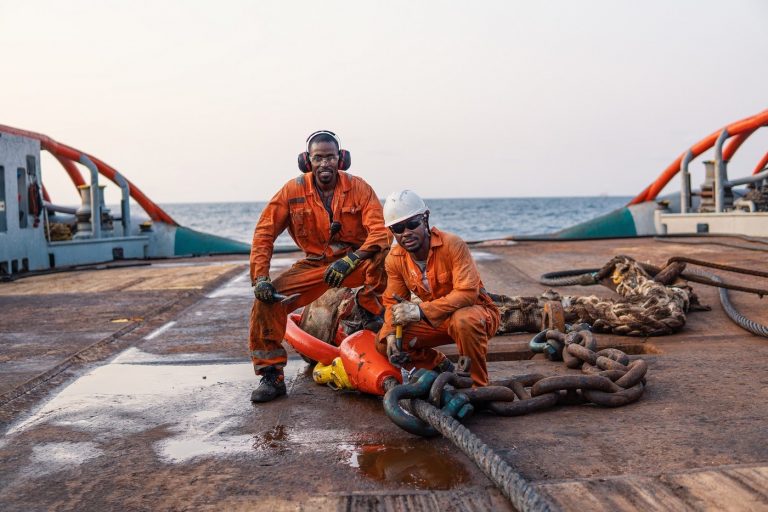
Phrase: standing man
[336,219]
[437,267]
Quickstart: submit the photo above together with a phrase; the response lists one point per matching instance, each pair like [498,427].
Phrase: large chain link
[608,379]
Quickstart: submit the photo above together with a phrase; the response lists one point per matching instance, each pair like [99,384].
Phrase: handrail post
[95,193]
[125,208]
[721,172]
[685,186]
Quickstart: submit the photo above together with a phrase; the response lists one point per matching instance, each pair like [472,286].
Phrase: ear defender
[304,165]
[345,159]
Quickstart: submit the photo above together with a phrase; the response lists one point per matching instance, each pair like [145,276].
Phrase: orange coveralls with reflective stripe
[456,307]
[297,206]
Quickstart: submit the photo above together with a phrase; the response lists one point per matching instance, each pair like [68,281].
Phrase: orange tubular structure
[366,367]
[740,129]
[308,345]
[735,143]
[761,164]
[66,155]
[72,170]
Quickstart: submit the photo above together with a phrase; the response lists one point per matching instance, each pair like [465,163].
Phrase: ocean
[472,219]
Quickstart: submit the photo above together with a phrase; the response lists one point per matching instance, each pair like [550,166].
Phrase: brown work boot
[272,385]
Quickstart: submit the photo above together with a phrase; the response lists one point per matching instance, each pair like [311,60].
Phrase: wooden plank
[140,278]
[727,489]
[615,494]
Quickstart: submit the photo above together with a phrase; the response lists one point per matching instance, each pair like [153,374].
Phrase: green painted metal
[189,242]
[616,224]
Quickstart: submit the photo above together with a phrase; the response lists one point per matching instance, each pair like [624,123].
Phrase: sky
[200,101]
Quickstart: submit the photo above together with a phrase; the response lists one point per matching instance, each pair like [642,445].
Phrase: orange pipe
[366,368]
[72,170]
[735,143]
[63,152]
[761,164]
[744,125]
[308,345]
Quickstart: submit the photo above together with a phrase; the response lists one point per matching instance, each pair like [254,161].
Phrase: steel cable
[737,318]
[511,483]
[581,277]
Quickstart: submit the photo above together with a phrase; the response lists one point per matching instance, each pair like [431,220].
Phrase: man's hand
[264,290]
[394,355]
[340,269]
[405,313]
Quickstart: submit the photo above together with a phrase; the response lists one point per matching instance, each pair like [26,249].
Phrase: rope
[511,483]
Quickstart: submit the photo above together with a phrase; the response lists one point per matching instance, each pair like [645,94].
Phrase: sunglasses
[410,225]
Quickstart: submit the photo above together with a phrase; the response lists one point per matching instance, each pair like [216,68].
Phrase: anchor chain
[610,379]
[431,404]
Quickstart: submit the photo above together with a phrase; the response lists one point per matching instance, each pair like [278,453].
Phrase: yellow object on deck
[333,374]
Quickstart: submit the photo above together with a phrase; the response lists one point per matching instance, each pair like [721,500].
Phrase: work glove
[405,313]
[395,355]
[340,269]
[263,290]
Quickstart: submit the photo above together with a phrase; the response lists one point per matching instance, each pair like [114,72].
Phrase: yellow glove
[340,269]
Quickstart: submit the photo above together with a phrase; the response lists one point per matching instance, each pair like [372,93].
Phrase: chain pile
[610,380]
[431,404]
[646,307]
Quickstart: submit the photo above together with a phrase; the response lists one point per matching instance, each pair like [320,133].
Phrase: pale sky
[211,101]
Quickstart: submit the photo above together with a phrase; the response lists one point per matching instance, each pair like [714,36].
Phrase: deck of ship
[127,388]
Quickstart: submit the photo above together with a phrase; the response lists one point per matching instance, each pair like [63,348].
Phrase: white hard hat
[402,205]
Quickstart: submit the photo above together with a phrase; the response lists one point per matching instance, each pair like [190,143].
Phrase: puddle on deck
[416,463]
[202,405]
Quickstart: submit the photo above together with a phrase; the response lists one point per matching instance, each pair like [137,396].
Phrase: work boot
[444,366]
[272,385]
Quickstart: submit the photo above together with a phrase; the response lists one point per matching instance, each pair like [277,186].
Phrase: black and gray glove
[340,269]
[263,290]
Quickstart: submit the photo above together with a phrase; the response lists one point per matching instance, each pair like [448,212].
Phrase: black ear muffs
[345,161]
[304,165]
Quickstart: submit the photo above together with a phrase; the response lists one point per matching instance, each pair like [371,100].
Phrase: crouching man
[437,267]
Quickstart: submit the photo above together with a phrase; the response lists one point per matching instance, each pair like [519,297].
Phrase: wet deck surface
[128,388]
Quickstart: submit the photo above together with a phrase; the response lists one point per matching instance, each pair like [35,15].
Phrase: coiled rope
[588,277]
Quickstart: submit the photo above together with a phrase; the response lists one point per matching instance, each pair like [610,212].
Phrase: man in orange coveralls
[336,219]
[437,267]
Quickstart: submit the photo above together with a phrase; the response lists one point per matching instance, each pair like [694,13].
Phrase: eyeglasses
[409,224]
[317,159]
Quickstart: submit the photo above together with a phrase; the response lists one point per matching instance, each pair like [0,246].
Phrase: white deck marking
[157,332]
[240,285]
[483,256]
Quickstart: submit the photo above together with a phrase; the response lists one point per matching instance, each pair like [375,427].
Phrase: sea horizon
[469,217]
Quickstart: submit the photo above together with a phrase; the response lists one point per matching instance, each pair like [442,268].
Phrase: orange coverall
[456,309]
[298,207]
